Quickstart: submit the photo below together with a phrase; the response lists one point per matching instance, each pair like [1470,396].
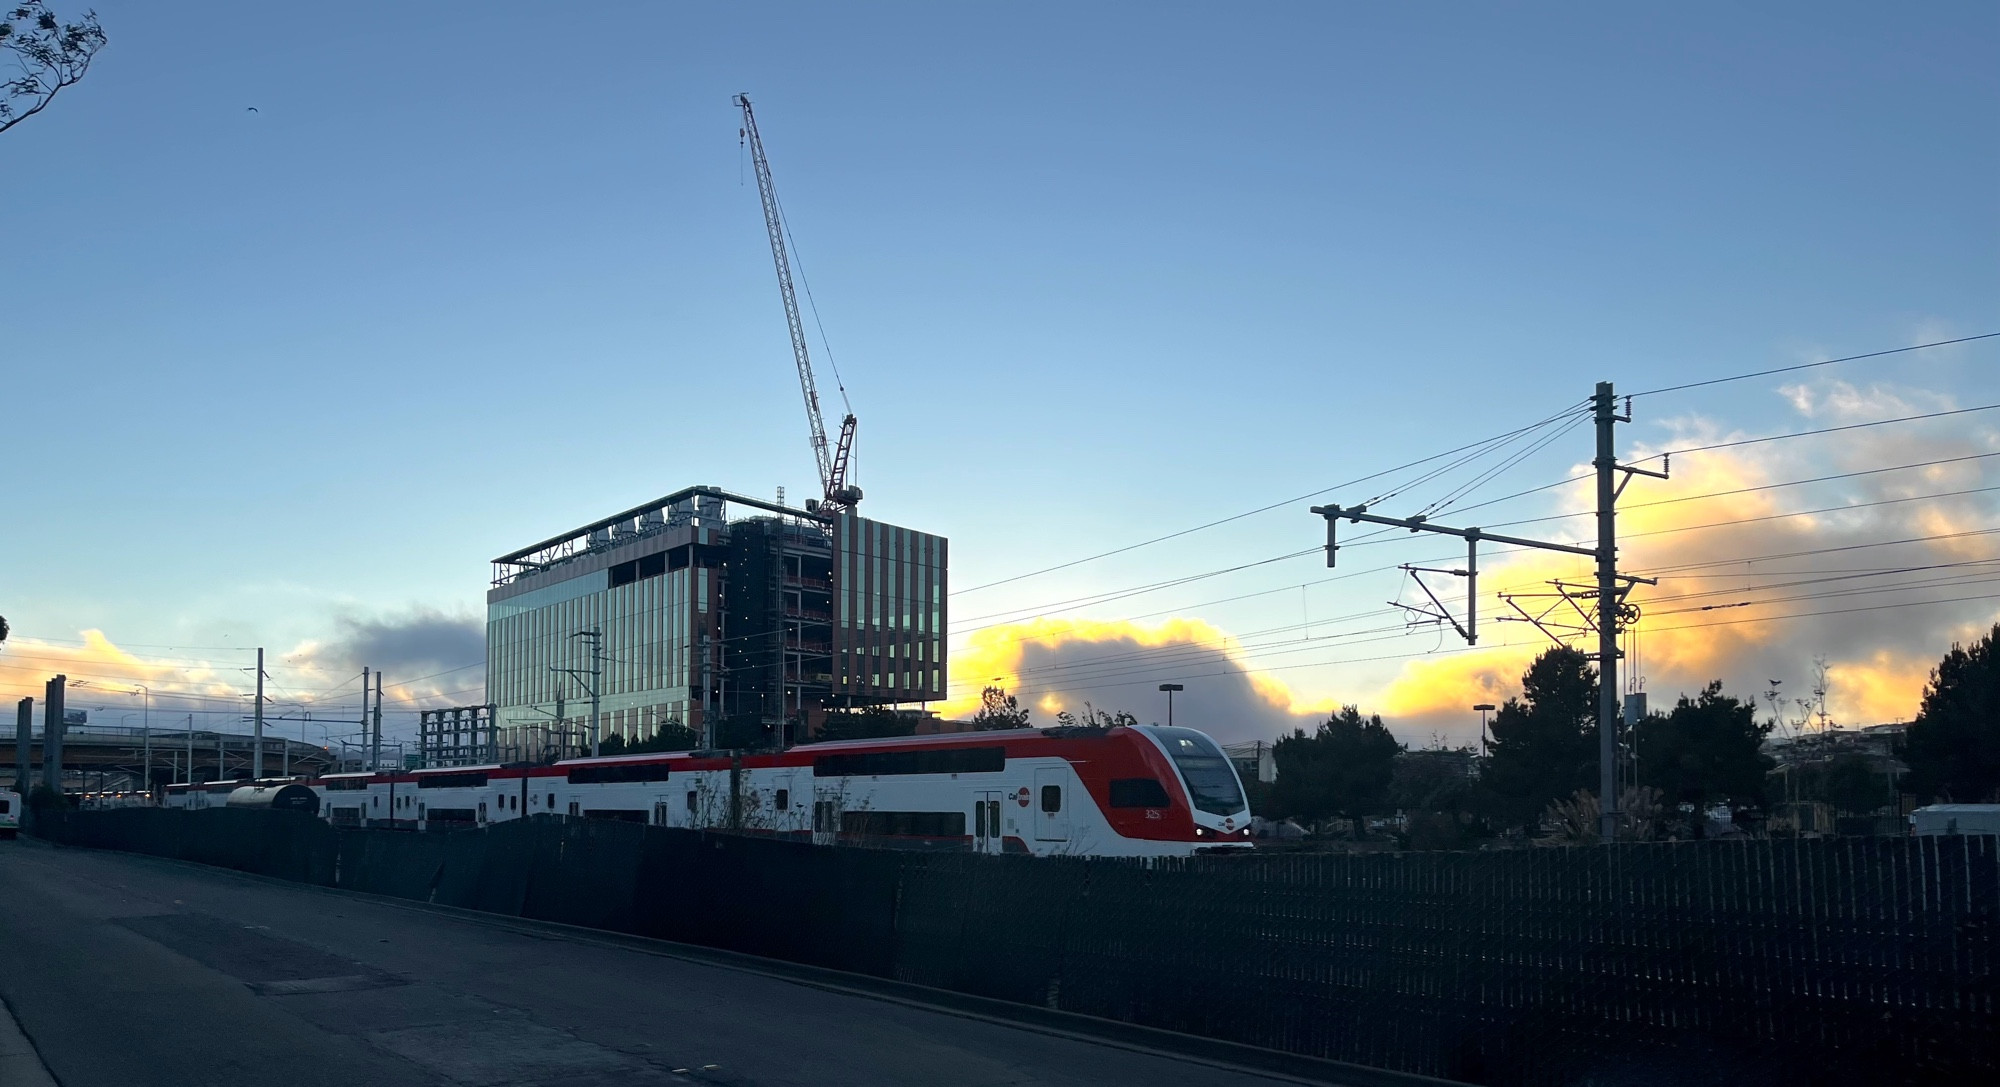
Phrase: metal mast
[838,495]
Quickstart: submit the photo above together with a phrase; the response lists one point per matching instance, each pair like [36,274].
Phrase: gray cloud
[1122,674]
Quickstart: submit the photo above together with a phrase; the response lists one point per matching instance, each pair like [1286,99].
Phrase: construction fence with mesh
[1839,960]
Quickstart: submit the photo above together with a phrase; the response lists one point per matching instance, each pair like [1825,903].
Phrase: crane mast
[837,495]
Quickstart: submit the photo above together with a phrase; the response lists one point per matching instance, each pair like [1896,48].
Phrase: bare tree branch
[50,54]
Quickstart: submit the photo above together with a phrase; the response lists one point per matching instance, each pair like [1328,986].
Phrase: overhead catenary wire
[1253,512]
[1814,365]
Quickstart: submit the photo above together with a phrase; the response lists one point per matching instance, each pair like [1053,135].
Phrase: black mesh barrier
[1830,961]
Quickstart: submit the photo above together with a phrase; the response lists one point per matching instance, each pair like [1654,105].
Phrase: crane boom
[837,495]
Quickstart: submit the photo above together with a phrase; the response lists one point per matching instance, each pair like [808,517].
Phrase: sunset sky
[471,274]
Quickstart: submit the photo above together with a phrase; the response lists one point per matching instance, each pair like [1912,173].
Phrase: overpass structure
[98,757]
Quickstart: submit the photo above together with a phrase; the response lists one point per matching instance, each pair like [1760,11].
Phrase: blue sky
[474,273]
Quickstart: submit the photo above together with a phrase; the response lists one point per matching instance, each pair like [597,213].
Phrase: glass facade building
[775,617]
[889,598]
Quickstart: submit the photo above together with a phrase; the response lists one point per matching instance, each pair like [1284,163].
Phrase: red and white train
[1145,791]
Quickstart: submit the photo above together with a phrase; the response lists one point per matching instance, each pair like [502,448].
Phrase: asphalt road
[125,970]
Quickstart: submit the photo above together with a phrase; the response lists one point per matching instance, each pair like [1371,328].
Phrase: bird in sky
[252,109]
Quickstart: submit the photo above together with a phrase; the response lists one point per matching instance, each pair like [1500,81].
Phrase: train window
[1138,793]
[552,801]
[609,775]
[377,801]
[690,801]
[959,760]
[1051,798]
[783,800]
[904,824]
[452,781]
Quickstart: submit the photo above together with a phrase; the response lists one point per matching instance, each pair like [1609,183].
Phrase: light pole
[1170,688]
[1484,708]
[146,723]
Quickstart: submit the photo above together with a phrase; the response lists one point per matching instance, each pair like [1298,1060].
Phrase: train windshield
[1211,780]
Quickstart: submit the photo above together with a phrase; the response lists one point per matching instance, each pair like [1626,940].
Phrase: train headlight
[1200,833]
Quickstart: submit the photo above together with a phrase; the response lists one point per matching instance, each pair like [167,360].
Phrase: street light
[1483,708]
[1170,688]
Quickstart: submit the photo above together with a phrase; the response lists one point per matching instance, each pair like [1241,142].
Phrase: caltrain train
[1143,791]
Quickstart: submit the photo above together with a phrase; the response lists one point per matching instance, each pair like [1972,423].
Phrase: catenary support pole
[52,734]
[364,720]
[24,734]
[188,778]
[375,730]
[1606,415]
[257,757]
[596,687]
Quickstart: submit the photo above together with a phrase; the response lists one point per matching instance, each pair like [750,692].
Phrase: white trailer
[1956,819]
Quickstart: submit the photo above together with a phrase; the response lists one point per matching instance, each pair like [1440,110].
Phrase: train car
[276,796]
[1142,791]
[201,794]
[1138,791]
[10,813]
[367,800]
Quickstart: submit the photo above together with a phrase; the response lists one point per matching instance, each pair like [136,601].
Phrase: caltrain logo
[1021,797]
[1229,824]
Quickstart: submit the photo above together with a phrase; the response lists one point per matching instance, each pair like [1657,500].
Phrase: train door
[1051,804]
[826,818]
[784,798]
[986,836]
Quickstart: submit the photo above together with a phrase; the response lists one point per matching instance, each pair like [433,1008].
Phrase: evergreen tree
[1544,744]
[1343,769]
[1708,748]
[866,723]
[1953,747]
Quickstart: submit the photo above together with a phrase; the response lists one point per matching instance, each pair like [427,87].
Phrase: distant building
[774,615]
[1253,760]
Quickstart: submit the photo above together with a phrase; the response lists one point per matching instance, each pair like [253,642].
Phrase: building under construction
[706,607]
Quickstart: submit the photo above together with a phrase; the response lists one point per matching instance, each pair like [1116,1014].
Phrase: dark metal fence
[1841,960]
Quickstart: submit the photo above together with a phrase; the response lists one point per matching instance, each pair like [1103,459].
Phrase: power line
[1261,509]
[1120,594]
[1811,365]
[1823,430]
[1751,490]
[1661,570]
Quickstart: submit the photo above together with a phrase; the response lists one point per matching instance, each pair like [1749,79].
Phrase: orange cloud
[994,656]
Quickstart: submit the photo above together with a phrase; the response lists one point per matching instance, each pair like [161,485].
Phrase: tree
[670,736]
[998,709]
[1544,744]
[1853,786]
[1092,717]
[1435,779]
[48,55]
[744,731]
[1953,747]
[867,723]
[1708,748]
[1342,770]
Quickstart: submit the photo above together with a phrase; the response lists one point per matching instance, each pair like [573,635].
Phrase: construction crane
[837,495]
